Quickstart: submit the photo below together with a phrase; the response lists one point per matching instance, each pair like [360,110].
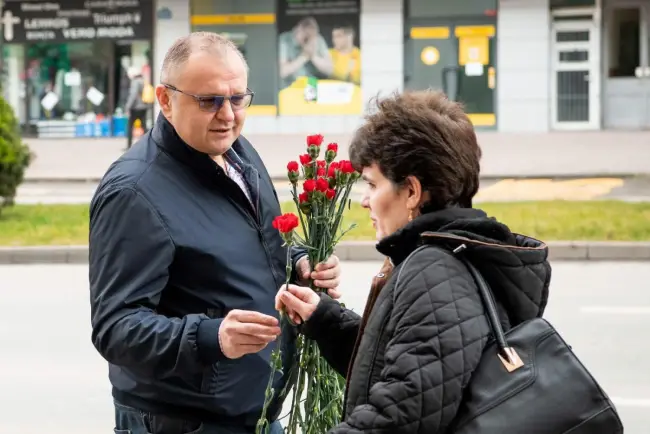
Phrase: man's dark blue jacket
[174,246]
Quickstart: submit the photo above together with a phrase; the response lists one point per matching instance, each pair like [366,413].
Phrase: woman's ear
[414,193]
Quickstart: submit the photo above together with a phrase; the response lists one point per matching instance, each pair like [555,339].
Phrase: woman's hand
[298,302]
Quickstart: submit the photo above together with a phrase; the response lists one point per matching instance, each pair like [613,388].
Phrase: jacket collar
[166,138]
[400,244]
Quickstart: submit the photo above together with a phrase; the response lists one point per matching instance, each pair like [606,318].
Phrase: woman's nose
[365,202]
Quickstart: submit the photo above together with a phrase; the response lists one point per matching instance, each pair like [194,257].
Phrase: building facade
[517,65]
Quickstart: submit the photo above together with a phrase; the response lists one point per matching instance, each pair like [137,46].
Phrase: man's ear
[164,100]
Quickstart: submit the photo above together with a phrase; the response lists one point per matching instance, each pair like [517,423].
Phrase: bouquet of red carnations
[326,185]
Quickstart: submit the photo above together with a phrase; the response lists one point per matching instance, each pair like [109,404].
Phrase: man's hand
[326,276]
[309,48]
[246,332]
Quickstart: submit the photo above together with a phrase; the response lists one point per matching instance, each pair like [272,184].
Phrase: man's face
[341,39]
[206,74]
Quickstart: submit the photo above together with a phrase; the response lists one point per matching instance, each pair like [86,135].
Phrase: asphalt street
[53,381]
[626,189]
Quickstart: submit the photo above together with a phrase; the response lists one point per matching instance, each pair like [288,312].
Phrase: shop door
[627,64]
[457,57]
[574,76]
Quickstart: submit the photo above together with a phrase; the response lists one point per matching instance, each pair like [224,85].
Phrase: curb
[354,251]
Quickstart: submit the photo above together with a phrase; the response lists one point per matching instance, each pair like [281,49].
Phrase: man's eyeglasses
[214,103]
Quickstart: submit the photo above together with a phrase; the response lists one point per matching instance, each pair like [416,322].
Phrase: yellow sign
[464,31]
[430,55]
[430,33]
[473,49]
[232,19]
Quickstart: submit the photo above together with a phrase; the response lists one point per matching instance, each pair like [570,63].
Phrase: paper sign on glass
[49,101]
[95,96]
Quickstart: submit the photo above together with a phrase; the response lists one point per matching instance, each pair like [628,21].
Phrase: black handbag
[529,381]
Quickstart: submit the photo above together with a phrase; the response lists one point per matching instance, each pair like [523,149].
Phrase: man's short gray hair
[184,46]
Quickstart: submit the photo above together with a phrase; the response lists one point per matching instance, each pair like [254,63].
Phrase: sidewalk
[505,155]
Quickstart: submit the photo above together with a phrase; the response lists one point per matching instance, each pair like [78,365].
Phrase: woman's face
[389,206]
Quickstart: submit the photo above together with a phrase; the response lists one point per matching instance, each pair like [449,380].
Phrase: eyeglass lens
[214,103]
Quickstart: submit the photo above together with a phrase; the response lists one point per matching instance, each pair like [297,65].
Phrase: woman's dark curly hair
[422,134]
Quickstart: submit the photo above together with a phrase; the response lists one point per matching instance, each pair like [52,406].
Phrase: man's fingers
[244,339]
[247,316]
[327,284]
[331,262]
[328,274]
[334,293]
[251,329]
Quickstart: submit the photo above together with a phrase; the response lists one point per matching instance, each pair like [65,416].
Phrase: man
[184,261]
[135,107]
[303,52]
[346,58]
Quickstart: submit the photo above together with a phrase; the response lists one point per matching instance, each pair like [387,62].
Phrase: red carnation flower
[309,185]
[293,166]
[315,140]
[286,223]
[322,185]
[331,172]
[330,193]
[303,197]
[305,159]
[321,163]
[334,147]
[345,166]
[320,171]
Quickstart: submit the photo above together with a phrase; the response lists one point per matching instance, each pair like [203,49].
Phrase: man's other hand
[246,332]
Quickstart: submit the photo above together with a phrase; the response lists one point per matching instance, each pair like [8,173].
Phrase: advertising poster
[319,57]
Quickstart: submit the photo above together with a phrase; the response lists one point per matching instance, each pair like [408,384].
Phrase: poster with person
[319,57]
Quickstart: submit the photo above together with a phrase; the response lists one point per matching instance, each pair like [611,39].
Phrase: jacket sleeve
[130,252]
[439,335]
[335,329]
[297,253]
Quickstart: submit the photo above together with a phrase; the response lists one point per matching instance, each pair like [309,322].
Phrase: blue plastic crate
[119,126]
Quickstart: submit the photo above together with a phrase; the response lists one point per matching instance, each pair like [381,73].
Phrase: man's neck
[220,161]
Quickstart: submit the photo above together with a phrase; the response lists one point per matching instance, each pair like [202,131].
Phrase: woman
[409,357]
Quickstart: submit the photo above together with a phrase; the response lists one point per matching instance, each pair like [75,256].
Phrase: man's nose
[226,112]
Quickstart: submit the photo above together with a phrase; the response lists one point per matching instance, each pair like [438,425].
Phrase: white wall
[523,66]
[382,46]
[168,30]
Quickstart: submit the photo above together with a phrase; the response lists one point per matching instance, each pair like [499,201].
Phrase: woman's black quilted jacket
[423,338]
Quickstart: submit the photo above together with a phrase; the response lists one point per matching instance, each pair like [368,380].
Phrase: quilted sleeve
[440,332]
[335,330]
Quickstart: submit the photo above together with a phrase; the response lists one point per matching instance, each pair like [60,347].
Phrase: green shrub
[14,155]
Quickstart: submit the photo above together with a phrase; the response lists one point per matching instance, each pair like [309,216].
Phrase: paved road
[630,189]
[52,380]
[576,154]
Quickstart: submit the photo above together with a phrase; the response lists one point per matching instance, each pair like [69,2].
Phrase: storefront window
[67,80]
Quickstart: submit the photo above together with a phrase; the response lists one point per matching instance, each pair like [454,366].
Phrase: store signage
[74,20]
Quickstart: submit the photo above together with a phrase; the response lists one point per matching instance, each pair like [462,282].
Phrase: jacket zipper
[254,221]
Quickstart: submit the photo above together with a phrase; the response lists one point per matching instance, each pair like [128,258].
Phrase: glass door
[627,64]
[575,89]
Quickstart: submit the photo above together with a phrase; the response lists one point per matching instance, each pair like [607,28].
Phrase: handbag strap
[507,354]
